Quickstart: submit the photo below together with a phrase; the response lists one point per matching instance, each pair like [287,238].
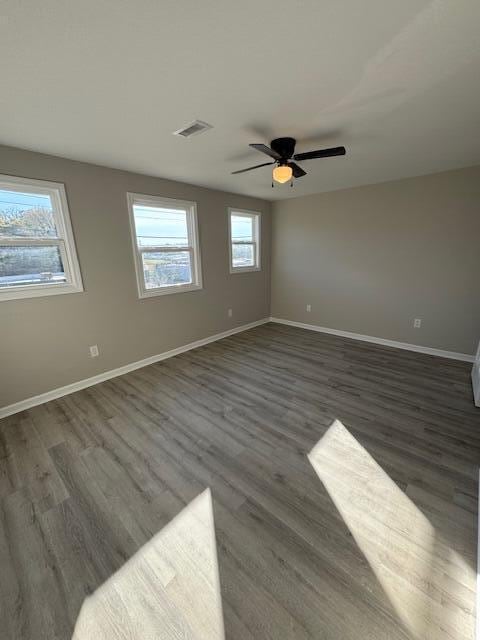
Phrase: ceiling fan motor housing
[285,147]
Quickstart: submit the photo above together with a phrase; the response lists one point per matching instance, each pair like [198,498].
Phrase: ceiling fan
[282,150]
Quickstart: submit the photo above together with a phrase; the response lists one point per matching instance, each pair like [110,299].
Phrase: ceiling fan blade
[257,166]
[264,149]
[297,171]
[320,153]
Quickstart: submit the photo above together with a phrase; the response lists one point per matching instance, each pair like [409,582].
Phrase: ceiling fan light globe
[282,174]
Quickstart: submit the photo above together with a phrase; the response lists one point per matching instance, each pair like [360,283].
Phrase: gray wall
[44,341]
[368,260]
[371,259]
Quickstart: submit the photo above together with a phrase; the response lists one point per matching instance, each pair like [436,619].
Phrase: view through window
[36,250]
[244,240]
[166,245]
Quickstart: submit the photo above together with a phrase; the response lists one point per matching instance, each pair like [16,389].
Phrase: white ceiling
[107,81]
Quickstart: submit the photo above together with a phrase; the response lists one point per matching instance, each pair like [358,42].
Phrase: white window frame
[64,240]
[256,241]
[193,244]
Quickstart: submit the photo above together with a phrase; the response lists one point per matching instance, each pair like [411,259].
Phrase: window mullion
[25,242]
[163,249]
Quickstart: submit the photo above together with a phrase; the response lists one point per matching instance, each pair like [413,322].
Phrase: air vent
[192,129]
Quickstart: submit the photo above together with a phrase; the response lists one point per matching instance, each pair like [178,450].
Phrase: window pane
[242,228]
[243,255]
[166,268]
[156,226]
[30,265]
[26,215]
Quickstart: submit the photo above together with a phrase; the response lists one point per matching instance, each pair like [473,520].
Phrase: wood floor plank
[41,602]
[344,485]
[32,466]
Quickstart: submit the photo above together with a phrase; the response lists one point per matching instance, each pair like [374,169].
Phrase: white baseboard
[113,373]
[387,343]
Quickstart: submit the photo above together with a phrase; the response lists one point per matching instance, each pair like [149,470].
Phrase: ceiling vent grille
[192,129]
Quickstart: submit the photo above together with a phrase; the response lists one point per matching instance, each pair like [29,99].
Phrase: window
[37,251]
[244,231]
[165,244]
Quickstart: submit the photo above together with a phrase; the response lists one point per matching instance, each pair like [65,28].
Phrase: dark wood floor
[343,478]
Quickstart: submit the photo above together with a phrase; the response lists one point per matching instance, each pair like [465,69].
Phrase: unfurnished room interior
[239,320]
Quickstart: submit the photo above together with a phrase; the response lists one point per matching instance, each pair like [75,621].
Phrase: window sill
[153,293]
[38,291]
[244,269]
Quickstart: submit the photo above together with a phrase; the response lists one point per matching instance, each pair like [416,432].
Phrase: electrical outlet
[417,323]
[230,313]
[94,351]
[309,307]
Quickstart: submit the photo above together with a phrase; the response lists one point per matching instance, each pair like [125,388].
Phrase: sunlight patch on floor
[169,589]
[422,577]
